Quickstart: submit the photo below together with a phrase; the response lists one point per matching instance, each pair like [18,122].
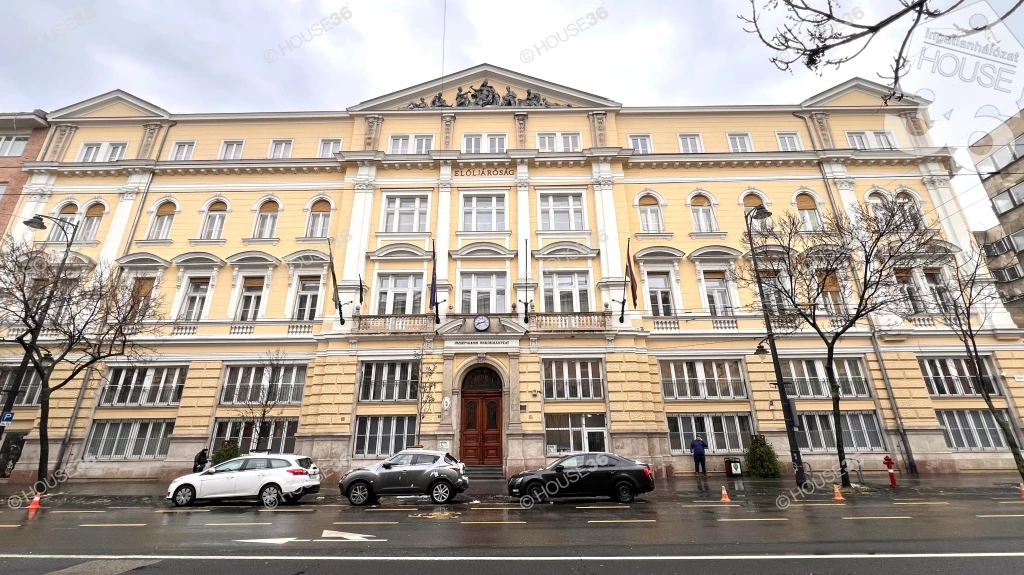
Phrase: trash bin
[733,467]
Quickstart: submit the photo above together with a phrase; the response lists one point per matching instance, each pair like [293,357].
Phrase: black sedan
[583,475]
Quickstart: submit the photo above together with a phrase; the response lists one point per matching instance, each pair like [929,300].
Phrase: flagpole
[334,281]
[526,303]
[627,278]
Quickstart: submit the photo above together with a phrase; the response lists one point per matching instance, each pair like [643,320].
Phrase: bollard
[892,474]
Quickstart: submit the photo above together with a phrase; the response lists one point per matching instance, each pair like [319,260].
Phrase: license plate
[314,476]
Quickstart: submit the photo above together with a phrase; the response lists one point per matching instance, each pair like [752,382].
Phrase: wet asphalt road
[585,536]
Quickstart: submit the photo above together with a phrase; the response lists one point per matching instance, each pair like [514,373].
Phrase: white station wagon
[273,479]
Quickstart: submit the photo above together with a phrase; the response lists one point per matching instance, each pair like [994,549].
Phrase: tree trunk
[1011,437]
[833,385]
[44,432]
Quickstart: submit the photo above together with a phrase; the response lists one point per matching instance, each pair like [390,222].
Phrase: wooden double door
[481,428]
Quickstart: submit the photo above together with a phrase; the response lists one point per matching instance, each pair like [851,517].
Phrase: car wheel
[624,492]
[441,492]
[536,492]
[359,493]
[270,495]
[184,496]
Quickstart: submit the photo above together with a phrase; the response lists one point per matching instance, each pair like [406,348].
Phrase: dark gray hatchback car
[409,472]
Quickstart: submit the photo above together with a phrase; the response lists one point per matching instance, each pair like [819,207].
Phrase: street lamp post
[36,223]
[788,413]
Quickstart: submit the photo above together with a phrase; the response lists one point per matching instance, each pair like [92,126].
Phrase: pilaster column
[915,127]
[37,194]
[524,289]
[514,423]
[443,240]
[824,129]
[60,143]
[447,127]
[612,264]
[520,118]
[149,133]
[120,221]
[447,386]
[372,136]
[598,134]
[358,238]
[954,226]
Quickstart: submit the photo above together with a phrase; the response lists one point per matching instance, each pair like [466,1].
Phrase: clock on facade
[481,323]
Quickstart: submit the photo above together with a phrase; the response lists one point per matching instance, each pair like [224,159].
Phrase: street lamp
[788,413]
[47,362]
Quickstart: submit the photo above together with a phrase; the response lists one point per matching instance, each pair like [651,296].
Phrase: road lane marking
[488,522]
[512,558]
[757,519]
[890,517]
[495,508]
[622,521]
[366,523]
[817,505]
[290,510]
[7,526]
[921,503]
[112,525]
[182,511]
[1016,502]
[228,524]
[711,505]
[406,509]
[1003,515]
[78,512]
[602,507]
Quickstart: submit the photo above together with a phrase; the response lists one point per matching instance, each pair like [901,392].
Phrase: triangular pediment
[114,104]
[858,92]
[529,92]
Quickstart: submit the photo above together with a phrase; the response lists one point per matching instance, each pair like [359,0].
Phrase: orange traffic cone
[35,502]
[725,496]
[835,493]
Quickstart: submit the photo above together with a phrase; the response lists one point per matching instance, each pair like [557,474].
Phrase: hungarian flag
[630,276]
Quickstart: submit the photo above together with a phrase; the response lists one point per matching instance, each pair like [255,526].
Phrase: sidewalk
[679,488]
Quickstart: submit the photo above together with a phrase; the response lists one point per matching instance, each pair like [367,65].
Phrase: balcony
[563,322]
[384,324]
[702,322]
[229,328]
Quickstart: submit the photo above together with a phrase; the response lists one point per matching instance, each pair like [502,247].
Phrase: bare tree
[70,315]
[965,302]
[827,274]
[427,386]
[819,34]
[259,404]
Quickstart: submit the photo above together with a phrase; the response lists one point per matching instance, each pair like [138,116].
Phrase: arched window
[909,205]
[651,221]
[319,220]
[751,201]
[161,228]
[703,214]
[69,213]
[91,223]
[810,217]
[213,223]
[266,220]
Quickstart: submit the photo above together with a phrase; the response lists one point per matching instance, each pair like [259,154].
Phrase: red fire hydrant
[892,474]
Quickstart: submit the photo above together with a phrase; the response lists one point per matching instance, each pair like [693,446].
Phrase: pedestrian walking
[697,448]
[199,463]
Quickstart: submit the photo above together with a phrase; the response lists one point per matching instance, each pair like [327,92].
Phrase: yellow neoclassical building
[528,192]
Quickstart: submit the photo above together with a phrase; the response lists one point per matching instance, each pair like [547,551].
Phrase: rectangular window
[546,142]
[329,147]
[704,219]
[231,150]
[137,439]
[13,145]
[878,140]
[936,284]
[722,433]
[788,141]
[280,149]
[28,392]
[998,247]
[559,142]
[213,225]
[573,379]
[423,144]
[390,381]
[90,225]
[690,143]
[260,385]
[972,429]
[571,142]
[884,140]
[860,432]
[496,143]
[307,297]
[250,299]
[144,386]
[91,153]
[182,151]
[857,140]
[955,376]
[483,213]
[561,212]
[318,224]
[911,293]
[716,289]
[405,214]
[399,144]
[471,143]
[659,292]
[382,436]
[641,144]
[739,143]
[575,432]
[195,299]
[566,292]
[710,379]
[810,379]
[650,216]
[483,293]
[276,436]
[399,294]
[161,229]
[116,152]
[142,296]
[830,296]
[1007,274]
[266,224]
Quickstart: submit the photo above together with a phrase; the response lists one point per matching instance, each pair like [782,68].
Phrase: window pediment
[482,251]
[253,258]
[307,258]
[197,259]
[400,251]
[711,253]
[655,253]
[142,260]
[562,250]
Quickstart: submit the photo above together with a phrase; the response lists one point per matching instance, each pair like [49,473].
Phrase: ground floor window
[969,429]
[140,439]
[722,433]
[860,432]
[274,436]
[385,435]
[571,432]
[28,393]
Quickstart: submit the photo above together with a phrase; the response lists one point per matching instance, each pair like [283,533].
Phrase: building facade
[524,199]
[21,138]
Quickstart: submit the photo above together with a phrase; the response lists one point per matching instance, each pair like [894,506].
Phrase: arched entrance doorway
[481,417]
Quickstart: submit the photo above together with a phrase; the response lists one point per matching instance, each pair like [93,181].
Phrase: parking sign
[7,418]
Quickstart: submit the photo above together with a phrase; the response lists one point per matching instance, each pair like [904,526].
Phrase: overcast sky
[231,56]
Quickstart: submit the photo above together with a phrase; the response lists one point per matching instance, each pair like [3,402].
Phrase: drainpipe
[87,375]
[908,453]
